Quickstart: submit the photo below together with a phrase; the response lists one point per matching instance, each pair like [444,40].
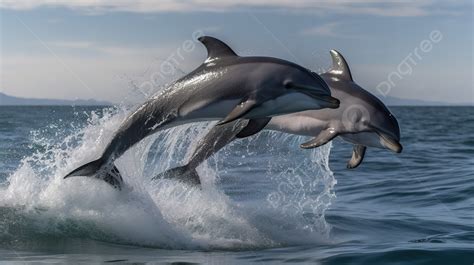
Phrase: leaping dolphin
[227,87]
[361,119]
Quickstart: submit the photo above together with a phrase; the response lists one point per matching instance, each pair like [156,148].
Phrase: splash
[288,210]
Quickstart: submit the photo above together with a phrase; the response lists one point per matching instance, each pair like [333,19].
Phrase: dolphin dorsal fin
[216,48]
[340,66]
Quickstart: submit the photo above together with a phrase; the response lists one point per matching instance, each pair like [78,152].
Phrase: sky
[116,50]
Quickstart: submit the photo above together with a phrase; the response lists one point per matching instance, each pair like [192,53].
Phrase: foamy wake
[167,214]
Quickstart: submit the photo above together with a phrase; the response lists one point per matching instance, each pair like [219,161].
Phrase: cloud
[115,75]
[71,44]
[332,29]
[328,29]
[87,46]
[365,7]
[109,78]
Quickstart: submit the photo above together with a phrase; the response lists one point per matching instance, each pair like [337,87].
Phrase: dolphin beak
[387,141]
[390,143]
[331,102]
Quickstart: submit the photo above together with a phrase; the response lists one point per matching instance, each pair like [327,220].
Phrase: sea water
[262,200]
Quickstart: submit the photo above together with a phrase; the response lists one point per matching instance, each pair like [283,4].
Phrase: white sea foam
[166,213]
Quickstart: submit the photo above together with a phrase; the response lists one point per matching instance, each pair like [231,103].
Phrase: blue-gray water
[263,199]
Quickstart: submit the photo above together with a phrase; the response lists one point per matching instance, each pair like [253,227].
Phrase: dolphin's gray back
[208,84]
[221,81]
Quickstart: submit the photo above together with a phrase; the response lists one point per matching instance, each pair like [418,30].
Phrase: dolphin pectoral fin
[253,127]
[358,153]
[240,110]
[323,138]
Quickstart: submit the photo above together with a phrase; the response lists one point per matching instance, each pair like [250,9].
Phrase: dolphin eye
[288,84]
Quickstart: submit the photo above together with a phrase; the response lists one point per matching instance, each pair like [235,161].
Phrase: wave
[36,202]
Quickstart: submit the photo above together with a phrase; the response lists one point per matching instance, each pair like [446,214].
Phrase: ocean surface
[263,200]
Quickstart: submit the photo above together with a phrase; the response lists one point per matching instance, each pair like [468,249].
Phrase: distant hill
[393,101]
[6,100]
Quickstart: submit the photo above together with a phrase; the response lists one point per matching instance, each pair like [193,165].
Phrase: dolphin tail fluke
[86,170]
[184,174]
[96,169]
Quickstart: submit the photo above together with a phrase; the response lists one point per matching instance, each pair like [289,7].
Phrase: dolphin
[225,87]
[361,119]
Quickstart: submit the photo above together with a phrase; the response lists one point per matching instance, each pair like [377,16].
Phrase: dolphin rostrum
[361,119]
[226,87]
